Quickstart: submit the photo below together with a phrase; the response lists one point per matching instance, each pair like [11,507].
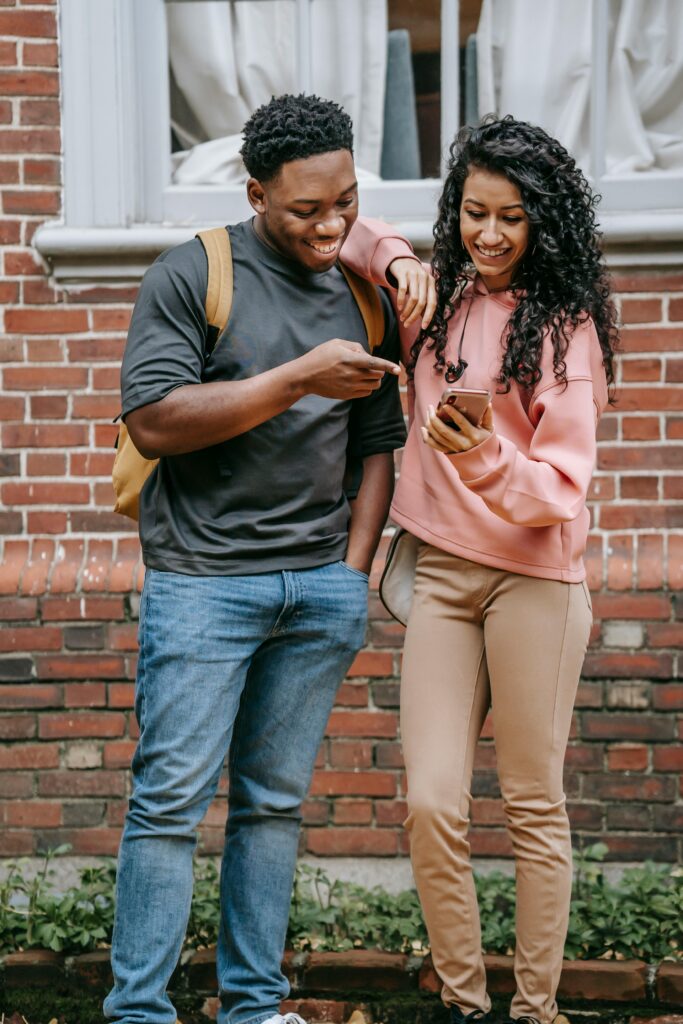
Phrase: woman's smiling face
[493,226]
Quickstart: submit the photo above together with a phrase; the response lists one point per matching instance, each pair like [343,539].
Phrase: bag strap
[369,303]
[219,288]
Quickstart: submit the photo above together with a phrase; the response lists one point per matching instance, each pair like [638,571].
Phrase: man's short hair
[293,128]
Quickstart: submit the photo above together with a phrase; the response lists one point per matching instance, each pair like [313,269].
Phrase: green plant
[641,916]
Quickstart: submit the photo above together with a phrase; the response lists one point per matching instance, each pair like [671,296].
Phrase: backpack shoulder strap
[216,242]
[369,303]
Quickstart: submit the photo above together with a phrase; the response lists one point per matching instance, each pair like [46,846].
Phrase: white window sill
[644,239]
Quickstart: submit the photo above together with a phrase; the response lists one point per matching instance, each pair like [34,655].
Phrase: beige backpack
[131,469]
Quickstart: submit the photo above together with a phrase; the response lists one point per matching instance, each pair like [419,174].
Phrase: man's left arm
[377,429]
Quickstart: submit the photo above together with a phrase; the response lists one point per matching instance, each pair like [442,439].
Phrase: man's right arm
[195,416]
[169,410]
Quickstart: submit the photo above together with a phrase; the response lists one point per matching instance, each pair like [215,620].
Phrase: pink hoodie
[518,500]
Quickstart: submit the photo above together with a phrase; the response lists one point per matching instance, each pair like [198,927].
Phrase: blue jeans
[240,665]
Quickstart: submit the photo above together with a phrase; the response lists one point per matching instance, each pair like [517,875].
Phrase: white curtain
[229,58]
[534,61]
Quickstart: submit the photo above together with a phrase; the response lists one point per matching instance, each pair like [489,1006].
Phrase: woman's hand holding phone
[448,430]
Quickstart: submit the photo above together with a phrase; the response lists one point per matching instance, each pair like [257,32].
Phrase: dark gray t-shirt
[271,498]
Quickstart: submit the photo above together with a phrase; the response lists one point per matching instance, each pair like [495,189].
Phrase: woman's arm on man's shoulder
[374,250]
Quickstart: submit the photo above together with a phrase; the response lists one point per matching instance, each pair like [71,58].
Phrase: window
[125,201]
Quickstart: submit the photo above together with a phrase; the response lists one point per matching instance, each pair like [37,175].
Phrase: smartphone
[471,402]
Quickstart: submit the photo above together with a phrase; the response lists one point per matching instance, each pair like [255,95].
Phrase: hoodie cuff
[388,250]
[480,461]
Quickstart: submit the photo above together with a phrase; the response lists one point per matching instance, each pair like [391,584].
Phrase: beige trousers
[480,637]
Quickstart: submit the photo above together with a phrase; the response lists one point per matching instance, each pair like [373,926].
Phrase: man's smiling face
[306,211]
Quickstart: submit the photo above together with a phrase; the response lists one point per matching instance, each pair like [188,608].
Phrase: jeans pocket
[355,572]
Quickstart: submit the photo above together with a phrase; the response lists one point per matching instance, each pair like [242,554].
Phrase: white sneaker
[286,1018]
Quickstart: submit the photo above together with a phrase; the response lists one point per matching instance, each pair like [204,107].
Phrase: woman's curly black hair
[561,280]
[293,128]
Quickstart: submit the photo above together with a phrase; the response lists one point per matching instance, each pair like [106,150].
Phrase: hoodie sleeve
[550,484]
[369,249]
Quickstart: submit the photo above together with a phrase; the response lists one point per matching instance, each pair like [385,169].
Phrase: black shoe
[474,1017]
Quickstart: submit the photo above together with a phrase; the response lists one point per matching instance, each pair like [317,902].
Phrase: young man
[255,597]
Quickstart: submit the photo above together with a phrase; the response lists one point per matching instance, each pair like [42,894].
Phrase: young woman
[501,613]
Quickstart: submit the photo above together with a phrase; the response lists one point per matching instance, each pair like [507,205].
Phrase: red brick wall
[70,572]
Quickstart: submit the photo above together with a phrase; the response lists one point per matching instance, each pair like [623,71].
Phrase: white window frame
[120,208]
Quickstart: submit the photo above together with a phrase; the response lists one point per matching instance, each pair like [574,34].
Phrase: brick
[10,523]
[63,725]
[111,319]
[46,522]
[90,637]
[119,753]
[24,23]
[39,112]
[81,783]
[675,567]
[668,818]
[627,757]
[8,53]
[665,634]
[33,968]
[85,695]
[43,494]
[16,787]
[93,407]
[627,663]
[48,407]
[16,609]
[83,815]
[667,759]
[16,844]
[17,727]
[338,783]
[42,172]
[629,817]
[640,428]
[83,755]
[18,757]
[39,435]
[351,754]
[15,670]
[631,606]
[352,812]
[647,457]
[45,463]
[358,971]
[603,726]
[362,723]
[668,697]
[389,755]
[33,638]
[650,562]
[651,339]
[584,758]
[670,984]
[635,311]
[627,634]
[34,695]
[315,812]
[636,370]
[634,695]
[639,488]
[636,517]
[44,55]
[121,695]
[600,980]
[372,663]
[31,201]
[357,842]
[46,321]
[76,666]
[32,814]
[646,788]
